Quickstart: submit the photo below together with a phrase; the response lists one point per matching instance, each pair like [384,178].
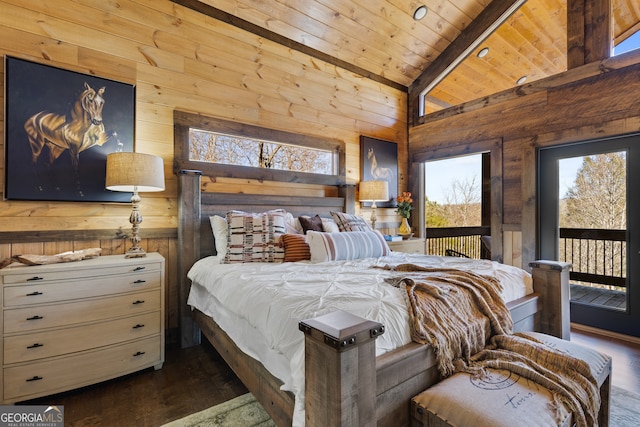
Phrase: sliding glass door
[588,216]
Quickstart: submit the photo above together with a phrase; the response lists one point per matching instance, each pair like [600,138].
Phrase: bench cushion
[502,398]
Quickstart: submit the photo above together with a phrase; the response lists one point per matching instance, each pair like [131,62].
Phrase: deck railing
[598,256]
[456,240]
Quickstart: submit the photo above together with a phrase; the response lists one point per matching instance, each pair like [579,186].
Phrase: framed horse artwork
[60,125]
[379,161]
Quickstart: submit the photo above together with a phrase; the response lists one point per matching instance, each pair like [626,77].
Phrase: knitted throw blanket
[462,316]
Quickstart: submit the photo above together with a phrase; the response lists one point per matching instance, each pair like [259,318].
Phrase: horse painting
[79,131]
[377,172]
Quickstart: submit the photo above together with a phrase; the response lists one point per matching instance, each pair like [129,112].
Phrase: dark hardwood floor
[191,380]
[196,378]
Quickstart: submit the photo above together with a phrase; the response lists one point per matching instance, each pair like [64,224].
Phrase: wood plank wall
[593,101]
[180,59]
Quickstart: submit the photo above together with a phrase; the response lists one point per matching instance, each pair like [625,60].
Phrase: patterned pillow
[348,222]
[346,246]
[295,247]
[252,237]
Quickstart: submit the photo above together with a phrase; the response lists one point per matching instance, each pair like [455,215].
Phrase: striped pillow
[295,247]
[252,237]
[346,246]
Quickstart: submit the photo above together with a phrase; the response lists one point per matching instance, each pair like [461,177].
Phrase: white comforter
[259,305]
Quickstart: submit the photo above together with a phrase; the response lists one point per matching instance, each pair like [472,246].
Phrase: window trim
[494,148]
[184,121]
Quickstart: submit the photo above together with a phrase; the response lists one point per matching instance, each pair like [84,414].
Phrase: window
[217,147]
[213,147]
[631,43]
[457,205]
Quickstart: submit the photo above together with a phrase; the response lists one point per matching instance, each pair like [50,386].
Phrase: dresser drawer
[66,271]
[51,376]
[31,318]
[42,293]
[38,345]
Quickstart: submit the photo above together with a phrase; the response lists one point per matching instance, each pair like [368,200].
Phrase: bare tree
[462,202]
[232,150]
[598,198]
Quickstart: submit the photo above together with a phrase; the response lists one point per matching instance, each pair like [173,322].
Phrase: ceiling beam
[589,31]
[223,16]
[496,13]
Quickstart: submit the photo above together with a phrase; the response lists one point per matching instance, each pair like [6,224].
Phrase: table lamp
[134,172]
[374,191]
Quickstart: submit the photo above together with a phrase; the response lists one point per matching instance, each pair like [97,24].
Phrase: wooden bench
[506,399]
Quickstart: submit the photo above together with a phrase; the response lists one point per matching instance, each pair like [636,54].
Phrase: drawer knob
[139,353]
[140,281]
[138,326]
[138,302]
[35,293]
[34,378]
[31,279]
[139,268]
[36,317]
[36,345]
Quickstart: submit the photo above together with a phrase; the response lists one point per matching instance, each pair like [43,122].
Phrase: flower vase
[405,228]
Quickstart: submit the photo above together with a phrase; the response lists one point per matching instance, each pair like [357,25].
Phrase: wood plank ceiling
[380,38]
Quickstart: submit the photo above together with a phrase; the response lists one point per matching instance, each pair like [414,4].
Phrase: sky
[441,174]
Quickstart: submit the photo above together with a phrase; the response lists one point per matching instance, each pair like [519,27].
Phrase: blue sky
[442,174]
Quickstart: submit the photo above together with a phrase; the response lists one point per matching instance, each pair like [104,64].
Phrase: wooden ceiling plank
[549,18]
[626,18]
[399,25]
[270,35]
[456,51]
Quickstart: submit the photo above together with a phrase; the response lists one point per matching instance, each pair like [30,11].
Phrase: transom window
[214,147]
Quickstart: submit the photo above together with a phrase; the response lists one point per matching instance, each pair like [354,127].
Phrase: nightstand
[414,245]
[73,324]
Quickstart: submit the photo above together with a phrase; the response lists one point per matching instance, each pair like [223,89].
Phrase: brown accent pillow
[295,247]
[311,223]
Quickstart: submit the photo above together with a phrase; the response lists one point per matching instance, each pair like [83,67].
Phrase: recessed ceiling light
[420,12]
[483,52]
[521,80]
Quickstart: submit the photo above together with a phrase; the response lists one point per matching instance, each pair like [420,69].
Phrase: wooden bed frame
[346,385]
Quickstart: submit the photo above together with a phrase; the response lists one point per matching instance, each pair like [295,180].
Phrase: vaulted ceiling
[380,38]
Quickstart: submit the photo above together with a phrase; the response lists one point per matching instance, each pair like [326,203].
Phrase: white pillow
[330,225]
[219,228]
[346,246]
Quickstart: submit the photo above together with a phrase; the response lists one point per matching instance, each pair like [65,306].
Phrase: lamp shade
[374,191]
[128,171]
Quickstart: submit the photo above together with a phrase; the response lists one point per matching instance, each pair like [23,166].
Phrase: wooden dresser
[73,324]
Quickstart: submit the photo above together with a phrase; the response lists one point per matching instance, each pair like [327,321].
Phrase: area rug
[245,411]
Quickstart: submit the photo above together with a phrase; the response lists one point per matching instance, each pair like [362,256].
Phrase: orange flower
[404,204]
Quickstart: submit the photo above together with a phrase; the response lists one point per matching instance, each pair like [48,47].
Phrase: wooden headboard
[195,237]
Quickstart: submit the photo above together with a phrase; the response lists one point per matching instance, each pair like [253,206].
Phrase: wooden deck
[601,297]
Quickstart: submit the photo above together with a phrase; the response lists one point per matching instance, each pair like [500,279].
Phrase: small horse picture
[60,127]
[379,161]
[377,172]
